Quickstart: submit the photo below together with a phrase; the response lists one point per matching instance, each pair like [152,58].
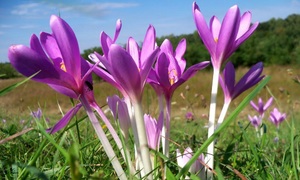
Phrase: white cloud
[93,10]
[28,26]
[32,10]
[5,26]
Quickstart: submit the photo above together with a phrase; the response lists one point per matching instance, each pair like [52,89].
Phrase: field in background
[238,149]
[193,96]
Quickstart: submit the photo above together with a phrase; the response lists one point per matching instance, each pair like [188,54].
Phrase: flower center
[63,67]
[173,76]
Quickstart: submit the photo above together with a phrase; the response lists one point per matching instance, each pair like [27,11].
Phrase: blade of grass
[293,150]
[12,87]
[224,125]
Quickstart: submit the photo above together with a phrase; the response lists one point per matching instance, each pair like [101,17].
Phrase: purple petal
[65,120]
[148,44]
[215,27]
[268,104]
[251,78]
[245,36]
[162,71]
[118,29]
[254,106]
[105,41]
[148,64]
[68,45]
[166,47]
[112,104]
[203,30]
[229,29]
[244,24]
[189,73]
[179,54]
[134,50]
[125,71]
[28,62]
[36,46]
[52,49]
[64,90]
[123,116]
[229,75]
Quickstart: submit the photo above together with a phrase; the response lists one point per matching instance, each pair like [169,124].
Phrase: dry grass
[32,95]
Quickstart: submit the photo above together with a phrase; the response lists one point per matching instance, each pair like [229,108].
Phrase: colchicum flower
[119,111]
[261,107]
[277,117]
[127,70]
[168,74]
[222,39]
[197,167]
[56,60]
[169,71]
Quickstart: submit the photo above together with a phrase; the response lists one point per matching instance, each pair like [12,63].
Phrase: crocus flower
[277,117]
[230,88]
[56,60]
[261,107]
[153,130]
[182,159]
[255,121]
[222,39]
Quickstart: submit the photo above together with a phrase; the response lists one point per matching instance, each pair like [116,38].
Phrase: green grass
[76,152]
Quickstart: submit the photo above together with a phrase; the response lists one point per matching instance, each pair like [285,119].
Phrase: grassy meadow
[76,152]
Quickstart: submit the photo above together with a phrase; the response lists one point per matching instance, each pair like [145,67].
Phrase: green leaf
[12,87]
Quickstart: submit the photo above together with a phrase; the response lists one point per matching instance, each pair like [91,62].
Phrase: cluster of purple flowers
[56,59]
[276,117]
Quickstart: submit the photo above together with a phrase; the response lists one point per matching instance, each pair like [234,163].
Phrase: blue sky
[19,19]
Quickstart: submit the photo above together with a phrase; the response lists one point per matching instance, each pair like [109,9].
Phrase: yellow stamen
[173,76]
[63,67]
[216,40]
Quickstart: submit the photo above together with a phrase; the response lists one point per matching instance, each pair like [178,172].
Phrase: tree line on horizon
[275,42]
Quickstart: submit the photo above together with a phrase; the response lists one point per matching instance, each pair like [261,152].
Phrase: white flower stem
[166,127]
[125,153]
[103,139]
[223,113]
[142,137]
[211,124]
[137,152]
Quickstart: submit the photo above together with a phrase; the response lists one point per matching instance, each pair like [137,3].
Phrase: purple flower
[261,107]
[36,114]
[230,88]
[153,130]
[255,121]
[182,159]
[189,116]
[277,117]
[127,69]
[119,111]
[169,71]
[56,60]
[222,39]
